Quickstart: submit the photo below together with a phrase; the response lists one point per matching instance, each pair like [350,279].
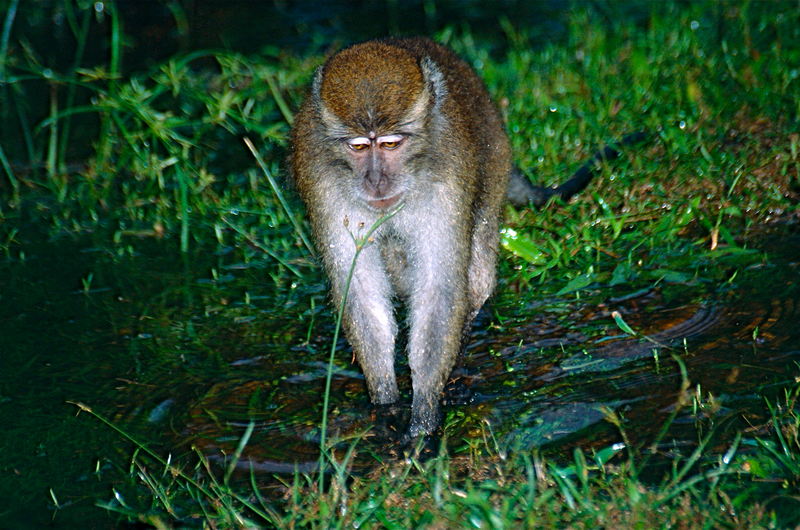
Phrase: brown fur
[371,82]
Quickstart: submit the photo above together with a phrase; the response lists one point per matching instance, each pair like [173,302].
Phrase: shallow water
[184,353]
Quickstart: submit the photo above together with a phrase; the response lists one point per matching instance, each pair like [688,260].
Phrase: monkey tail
[521,193]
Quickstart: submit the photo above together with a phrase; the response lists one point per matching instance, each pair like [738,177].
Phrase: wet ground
[186,352]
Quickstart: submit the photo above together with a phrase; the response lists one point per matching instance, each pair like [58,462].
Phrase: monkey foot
[388,421]
[420,447]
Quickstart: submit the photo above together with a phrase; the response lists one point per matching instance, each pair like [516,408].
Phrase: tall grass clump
[169,158]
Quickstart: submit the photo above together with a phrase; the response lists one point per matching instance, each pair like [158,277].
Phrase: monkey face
[376,162]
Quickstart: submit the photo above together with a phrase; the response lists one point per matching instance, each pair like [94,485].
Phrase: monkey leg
[482,273]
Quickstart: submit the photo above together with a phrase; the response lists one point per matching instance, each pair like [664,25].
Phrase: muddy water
[545,376]
[185,353]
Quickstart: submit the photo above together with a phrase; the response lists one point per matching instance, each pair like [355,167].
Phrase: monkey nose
[376,184]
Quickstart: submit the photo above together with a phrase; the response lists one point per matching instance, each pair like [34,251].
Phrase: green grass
[716,84]
[753,487]
[724,118]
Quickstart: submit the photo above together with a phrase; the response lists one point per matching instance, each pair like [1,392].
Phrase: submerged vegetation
[191,153]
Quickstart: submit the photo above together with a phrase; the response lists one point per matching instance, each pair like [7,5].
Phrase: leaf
[621,274]
[621,324]
[604,455]
[674,276]
[522,247]
[577,283]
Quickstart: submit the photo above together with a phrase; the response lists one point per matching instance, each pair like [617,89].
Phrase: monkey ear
[333,125]
[316,86]
[430,100]
[434,79]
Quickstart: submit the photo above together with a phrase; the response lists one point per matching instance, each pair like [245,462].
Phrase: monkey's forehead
[371,84]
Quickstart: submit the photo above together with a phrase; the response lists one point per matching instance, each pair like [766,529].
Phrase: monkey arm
[368,317]
[438,307]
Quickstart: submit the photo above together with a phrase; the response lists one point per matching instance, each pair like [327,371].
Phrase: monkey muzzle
[380,190]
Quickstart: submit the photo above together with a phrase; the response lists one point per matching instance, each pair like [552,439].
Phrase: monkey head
[375,102]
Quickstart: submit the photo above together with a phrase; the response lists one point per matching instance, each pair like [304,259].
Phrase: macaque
[404,121]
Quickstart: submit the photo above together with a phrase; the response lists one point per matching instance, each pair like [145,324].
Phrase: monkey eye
[390,142]
[359,144]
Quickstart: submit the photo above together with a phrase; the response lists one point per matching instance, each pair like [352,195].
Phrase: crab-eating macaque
[405,121]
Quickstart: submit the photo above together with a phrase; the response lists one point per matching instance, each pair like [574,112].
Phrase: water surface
[184,353]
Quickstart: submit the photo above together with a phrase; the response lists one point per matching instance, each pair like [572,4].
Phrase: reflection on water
[552,376]
[187,354]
